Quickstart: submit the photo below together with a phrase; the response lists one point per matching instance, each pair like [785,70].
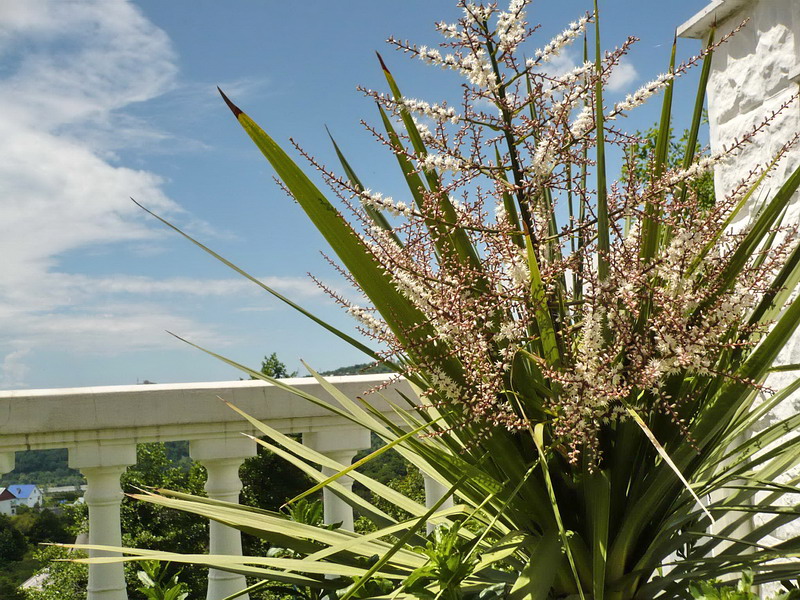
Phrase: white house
[20,495]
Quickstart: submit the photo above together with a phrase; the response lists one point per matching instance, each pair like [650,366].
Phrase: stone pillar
[433,491]
[340,445]
[222,458]
[753,74]
[102,466]
[6,462]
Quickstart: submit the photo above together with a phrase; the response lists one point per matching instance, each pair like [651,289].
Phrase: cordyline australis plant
[588,355]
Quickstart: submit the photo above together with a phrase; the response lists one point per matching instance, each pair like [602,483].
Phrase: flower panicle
[504,279]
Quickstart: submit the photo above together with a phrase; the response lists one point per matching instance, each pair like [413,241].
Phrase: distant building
[6,499]
[19,495]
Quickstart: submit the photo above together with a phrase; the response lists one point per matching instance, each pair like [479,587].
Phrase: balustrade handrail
[55,418]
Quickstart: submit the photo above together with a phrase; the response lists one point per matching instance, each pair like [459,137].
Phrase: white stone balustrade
[102,465]
[433,492]
[222,458]
[102,425]
[340,445]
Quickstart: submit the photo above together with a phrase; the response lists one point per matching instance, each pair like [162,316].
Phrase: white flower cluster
[571,77]
[477,13]
[701,166]
[434,111]
[643,93]
[450,30]
[517,269]
[479,70]
[367,319]
[683,244]
[511,26]
[429,55]
[590,368]
[511,330]
[543,158]
[475,67]
[735,305]
[424,131]
[411,288]
[443,384]
[442,163]
[500,212]
[566,37]
[582,123]
[377,200]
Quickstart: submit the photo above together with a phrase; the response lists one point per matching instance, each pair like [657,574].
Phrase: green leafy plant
[159,584]
[588,355]
[450,562]
[715,590]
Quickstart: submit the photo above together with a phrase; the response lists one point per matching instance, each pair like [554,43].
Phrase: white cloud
[621,77]
[13,370]
[148,286]
[110,315]
[82,61]
[560,64]
[68,73]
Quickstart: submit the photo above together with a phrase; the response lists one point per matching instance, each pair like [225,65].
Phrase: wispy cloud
[622,76]
[71,74]
[68,66]
[13,369]
[70,285]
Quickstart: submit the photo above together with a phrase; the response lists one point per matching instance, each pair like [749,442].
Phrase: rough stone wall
[753,74]
[750,78]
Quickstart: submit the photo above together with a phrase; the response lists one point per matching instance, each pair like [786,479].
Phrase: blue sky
[109,99]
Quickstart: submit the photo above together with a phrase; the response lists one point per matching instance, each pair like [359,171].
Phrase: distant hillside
[42,467]
[362,369]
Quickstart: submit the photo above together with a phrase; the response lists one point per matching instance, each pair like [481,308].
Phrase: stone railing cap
[194,385]
[697,27]
[179,411]
[794,74]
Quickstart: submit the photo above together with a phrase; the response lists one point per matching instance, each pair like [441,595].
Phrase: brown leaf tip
[383,64]
[234,109]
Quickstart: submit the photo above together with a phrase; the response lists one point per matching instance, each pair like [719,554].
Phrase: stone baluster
[6,462]
[102,466]
[222,458]
[340,445]
[433,491]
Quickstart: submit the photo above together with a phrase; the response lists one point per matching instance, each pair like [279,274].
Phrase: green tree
[42,467]
[9,590]
[13,544]
[63,580]
[42,526]
[150,526]
[358,369]
[273,367]
[640,162]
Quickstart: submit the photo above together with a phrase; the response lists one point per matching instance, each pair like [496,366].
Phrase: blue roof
[22,491]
